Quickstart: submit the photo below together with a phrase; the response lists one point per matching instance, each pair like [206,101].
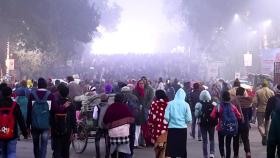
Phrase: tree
[48,26]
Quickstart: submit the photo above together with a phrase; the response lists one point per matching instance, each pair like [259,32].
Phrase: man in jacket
[272,103]
[102,131]
[273,142]
[63,123]
[262,96]
[194,98]
[39,135]
[134,107]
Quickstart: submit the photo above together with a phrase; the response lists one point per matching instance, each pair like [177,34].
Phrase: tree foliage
[48,26]
[206,17]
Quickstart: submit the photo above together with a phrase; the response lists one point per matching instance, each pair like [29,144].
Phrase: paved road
[24,149]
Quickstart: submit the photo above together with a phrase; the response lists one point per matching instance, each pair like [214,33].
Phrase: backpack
[8,122]
[60,124]
[134,107]
[205,118]
[22,102]
[229,122]
[40,112]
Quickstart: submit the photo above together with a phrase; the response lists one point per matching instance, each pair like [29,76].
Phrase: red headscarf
[140,90]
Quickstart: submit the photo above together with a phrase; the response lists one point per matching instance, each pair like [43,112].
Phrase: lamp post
[8,58]
[266,24]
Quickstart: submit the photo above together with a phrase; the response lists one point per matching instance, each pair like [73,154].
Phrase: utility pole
[8,58]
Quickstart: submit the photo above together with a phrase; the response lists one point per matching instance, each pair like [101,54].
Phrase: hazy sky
[143,28]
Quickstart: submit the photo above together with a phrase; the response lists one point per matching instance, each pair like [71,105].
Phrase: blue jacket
[178,113]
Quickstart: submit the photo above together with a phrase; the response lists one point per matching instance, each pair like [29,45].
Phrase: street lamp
[236,17]
[267,23]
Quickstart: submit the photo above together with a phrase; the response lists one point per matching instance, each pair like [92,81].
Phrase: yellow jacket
[262,96]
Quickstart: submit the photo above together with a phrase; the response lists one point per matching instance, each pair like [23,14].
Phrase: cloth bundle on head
[126,89]
[131,86]
[91,88]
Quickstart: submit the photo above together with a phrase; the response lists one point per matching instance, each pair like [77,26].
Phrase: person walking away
[99,112]
[207,125]
[134,107]
[160,85]
[176,85]
[178,115]
[194,98]
[38,117]
[273,141]
[262,96]
[22,100]
[157,124]
[63,123]
[10,116]
[75,90]
[245,104]
[272,103]
[117,119]
[170,91]
[227,127]
[235,85]
[2,86]
[215,92]
[188,89]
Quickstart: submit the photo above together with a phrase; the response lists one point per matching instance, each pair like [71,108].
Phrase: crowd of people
[141,114]
[133,65]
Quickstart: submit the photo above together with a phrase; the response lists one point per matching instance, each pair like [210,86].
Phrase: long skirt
[176,143]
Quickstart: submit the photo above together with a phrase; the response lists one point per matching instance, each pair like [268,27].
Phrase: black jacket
[7,102]
[194,98]
[271,103]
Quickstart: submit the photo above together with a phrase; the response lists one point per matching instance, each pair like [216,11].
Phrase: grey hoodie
[204,97]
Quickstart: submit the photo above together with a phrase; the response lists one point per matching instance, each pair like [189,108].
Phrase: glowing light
[267,23]
[143,28]
[128,39]
[254,32]
[236,17]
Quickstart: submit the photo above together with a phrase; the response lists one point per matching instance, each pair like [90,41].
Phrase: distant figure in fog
[194,99]
[169,89]
[160,84]
[176,85]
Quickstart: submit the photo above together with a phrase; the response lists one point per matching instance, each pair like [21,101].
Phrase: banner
[247,59]
[268,57]
[10,63]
